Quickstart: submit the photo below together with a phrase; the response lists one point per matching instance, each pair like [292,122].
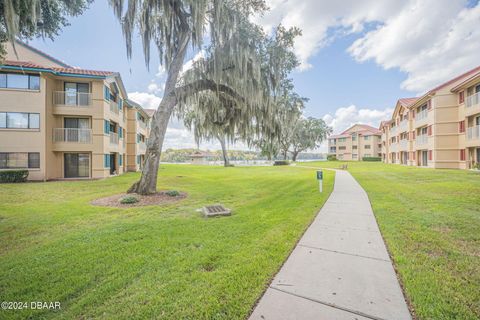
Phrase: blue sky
[357,58]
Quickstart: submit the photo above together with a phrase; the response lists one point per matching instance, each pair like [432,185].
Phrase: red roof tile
[407,101]
[28,64]
[460,77]
[150,112]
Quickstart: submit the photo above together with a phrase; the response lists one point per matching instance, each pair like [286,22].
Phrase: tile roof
[407,101]
[458,78]
[366,127]
[28,64]
[150,112]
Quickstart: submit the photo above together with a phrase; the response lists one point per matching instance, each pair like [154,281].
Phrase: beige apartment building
[355,143]
[61,122]
[440,129]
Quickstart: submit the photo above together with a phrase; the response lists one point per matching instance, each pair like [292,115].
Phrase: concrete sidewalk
[340,269]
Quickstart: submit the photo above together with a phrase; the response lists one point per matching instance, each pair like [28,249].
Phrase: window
[342,148]
[354,156]
[461,126]
[76,94]
[367,155]
[354,147]
[342,139]
[461,97]
[366,138]
[11,160]
[19,81]
[367,146]
[19,120]
[462,155]
[354,137]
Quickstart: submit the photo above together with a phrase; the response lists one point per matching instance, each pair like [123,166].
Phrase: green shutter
[107,161]
[119,159]
[106,127]
[120,132]
[106,93]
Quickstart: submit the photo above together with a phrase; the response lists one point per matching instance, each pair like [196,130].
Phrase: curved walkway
[340,269]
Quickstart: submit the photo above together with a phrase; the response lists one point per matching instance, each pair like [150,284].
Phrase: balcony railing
[403,125]
[473,100]
[393,147]
[72,99]
[393,131]
[142,146]
[113,138]
[473,132]
[422,115]
[142,124]
[403,144]
[421,140]
[113,107]
[72,135]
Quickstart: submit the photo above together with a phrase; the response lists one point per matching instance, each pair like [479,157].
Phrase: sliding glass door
[76,94]
[77,165]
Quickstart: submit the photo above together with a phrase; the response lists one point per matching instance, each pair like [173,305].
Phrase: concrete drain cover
[216,210]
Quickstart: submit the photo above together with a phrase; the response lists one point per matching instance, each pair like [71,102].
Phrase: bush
[371,159]
[172,193]
[13,176]
[281,163]
[129,200]
[332,157]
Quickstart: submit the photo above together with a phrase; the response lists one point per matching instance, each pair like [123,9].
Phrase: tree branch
[204,85]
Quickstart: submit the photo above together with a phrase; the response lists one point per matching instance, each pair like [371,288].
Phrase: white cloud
[346,117]
[145,99]
[323,20]
[430,40]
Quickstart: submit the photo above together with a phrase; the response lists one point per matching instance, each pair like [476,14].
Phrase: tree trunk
[148,181]
[285,154]
[294,156]
[226,162]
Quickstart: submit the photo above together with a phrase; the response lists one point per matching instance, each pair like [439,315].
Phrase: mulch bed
[158,198]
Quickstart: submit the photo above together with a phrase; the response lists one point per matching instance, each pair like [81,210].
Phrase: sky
[357,57]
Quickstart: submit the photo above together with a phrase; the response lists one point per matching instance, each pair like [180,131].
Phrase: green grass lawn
[430,220]
[164,262]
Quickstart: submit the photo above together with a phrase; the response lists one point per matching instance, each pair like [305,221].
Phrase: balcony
[113,138]
[422,115]
[403,126]
[142,124]
[473,133]
[393,131]
[72,99]
[473,100]
[402,145]
[72,135]
[142,147]
[421,140]
[393,147]
[113,107]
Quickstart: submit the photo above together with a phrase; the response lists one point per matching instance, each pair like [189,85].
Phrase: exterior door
[76,165]
[72,126]
[113,161]
[76,93]
[424,158]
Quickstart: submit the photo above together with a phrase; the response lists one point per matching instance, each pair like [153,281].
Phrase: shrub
[476,166]
[281,163]
[13,176]
[331,157]
[172,193]
[129,200]
[371,159]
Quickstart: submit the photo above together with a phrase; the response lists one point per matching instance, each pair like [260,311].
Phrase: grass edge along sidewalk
[158,261]
[430,220]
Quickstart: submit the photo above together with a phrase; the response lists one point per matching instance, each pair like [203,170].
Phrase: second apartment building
[61,122]
[440,129]
[355,143]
